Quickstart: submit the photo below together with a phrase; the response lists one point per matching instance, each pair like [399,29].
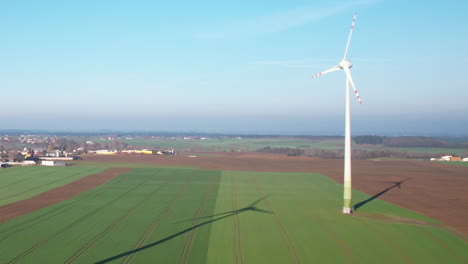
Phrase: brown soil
[430,188]
[19,208]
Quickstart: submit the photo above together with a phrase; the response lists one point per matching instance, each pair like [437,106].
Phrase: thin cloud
[280,21]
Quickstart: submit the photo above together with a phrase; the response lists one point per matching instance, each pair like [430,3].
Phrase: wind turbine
[344,65]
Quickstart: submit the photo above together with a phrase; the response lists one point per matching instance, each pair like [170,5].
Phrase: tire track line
[116,222]
[292,249]
[443,245]
[345,249]
[341,243]
[238,254]
[184,258]
[390,242]
[77,221]
[37,187]
[21,227]
[129,258]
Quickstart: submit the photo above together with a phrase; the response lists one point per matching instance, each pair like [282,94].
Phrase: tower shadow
[221,216]
[395,184]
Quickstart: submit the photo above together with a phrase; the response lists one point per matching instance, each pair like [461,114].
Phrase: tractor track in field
[390,242]
[292,249]
[37,187]
[184,258]
[13,183]
[71,225]
[132,253]
[57,195]
[60,209]
[442,244]
[116,222]
[345,249]
[238,254]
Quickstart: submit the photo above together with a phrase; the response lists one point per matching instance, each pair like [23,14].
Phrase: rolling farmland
[170,215]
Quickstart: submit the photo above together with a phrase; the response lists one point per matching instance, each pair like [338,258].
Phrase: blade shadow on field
[395,184]
[250,207]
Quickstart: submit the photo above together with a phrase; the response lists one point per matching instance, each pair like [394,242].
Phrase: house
[455,158]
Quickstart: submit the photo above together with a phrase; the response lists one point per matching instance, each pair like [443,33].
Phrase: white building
[52,163]
[446,158]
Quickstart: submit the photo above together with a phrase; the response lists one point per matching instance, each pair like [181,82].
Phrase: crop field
[19,183]
[170,215]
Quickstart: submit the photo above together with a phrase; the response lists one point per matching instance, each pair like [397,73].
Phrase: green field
[169,215]
[19,183]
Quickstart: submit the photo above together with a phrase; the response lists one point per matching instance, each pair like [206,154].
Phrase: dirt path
[430,188]
[68,191]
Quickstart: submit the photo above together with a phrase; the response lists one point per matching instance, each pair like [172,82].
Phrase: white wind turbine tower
[345,64]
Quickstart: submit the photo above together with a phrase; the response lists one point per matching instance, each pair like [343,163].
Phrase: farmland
[253,144]
[21,183]
[187,215]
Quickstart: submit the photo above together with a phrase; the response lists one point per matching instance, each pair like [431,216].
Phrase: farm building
[455,159]
[52,163]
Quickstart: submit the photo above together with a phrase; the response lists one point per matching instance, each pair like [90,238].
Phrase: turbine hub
[345,64]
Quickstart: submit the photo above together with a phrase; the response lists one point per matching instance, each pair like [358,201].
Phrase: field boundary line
[66,228]
[292,249]
[116,222]
[132,253]
[192,233]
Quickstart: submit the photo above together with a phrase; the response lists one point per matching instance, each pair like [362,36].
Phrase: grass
[19,183]
[168,215]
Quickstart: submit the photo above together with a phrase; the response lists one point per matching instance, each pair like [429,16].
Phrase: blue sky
[233,67]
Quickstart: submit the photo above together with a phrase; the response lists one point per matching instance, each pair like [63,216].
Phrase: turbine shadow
[250,207]
[395,184]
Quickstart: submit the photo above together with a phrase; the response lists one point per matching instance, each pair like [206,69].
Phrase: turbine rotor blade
[350,79]
[336,68]
[350,34]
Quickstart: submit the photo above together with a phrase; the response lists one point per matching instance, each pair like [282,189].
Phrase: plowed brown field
[433,189]
[19,208]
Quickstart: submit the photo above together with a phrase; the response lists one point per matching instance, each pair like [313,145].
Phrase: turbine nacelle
[345,64]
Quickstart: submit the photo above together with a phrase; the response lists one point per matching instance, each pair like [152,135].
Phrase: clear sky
[236,66]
